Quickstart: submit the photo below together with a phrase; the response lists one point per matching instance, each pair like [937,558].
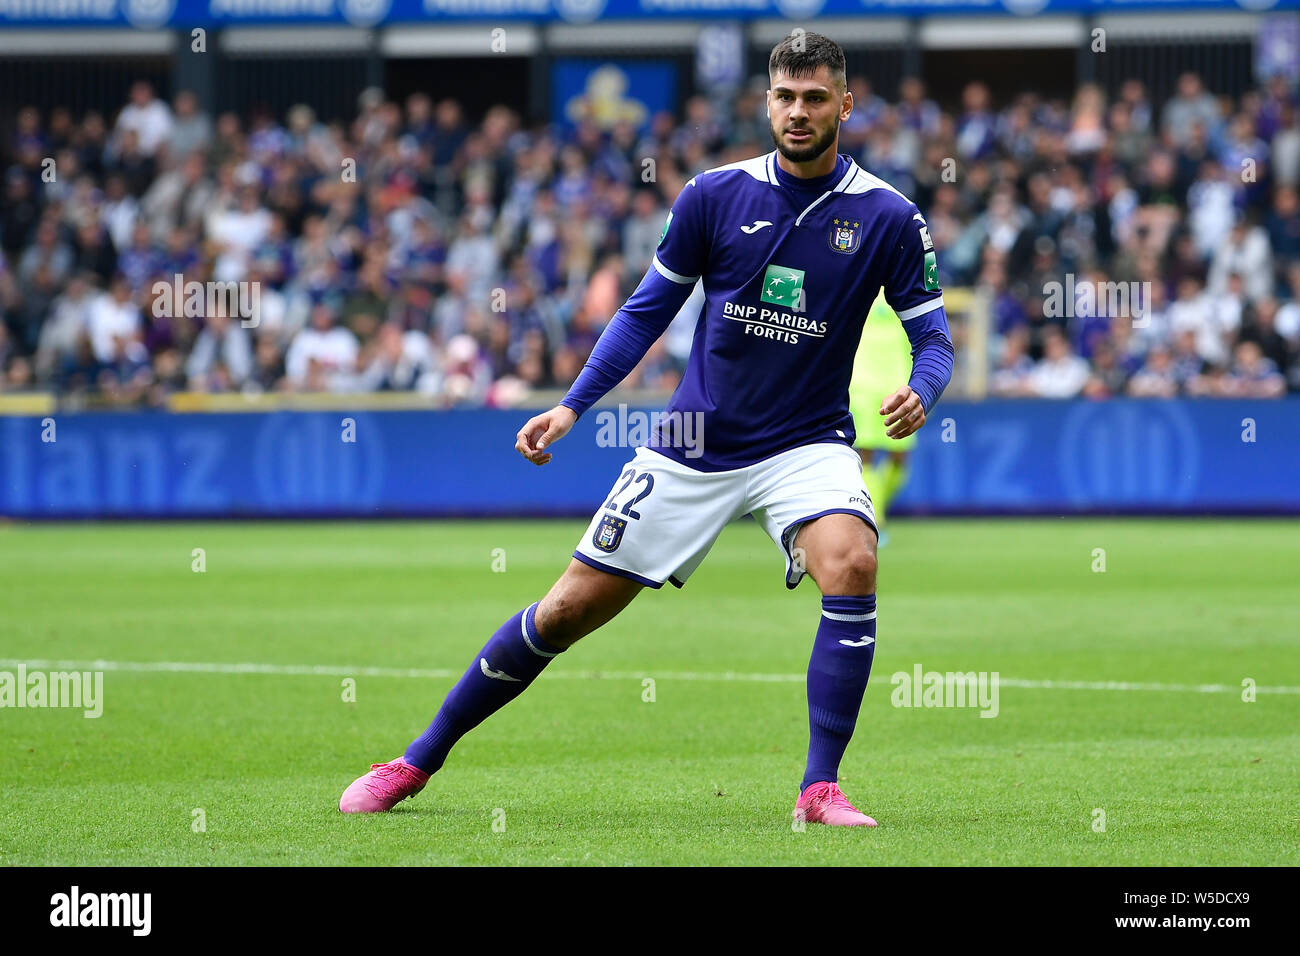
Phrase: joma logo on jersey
[783,286]
[609,533]
[846,236]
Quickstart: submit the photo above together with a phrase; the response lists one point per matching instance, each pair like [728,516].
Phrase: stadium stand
[1121,247]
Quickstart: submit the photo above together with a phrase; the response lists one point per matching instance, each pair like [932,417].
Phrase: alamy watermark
[194,299]
[74,689]
[1116,300]
[922,688]
[128,910]
[629,429]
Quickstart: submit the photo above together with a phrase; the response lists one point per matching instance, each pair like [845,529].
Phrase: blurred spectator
[223,344]
[145,117]
[1244,252]
[322,354]
[401,361]
[1060,373]
[1158,378]
[179,197]
[48,252]
[1189,106]
[67,326]
[191,130]
[1011,374]
[114,318]
[18,212]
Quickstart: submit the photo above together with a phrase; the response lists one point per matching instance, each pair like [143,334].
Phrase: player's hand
[904,411]
[541,431]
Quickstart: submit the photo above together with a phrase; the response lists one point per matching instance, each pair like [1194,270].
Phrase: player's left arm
[912,290]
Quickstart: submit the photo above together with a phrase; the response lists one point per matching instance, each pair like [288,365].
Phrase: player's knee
[559,620]
[861,570]
[851,571]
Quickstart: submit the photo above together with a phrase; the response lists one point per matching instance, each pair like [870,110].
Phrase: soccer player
[792,247]
[882,361]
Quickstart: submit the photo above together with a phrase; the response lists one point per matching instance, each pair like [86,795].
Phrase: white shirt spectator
[1249,255]
[334,349]
[110,319]
[238,231]
[1062,377]
[1287,322]
[152,123]
[119,218]
[1210,213]
[1211,319]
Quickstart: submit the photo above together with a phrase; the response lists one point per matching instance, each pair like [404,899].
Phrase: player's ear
[846,107]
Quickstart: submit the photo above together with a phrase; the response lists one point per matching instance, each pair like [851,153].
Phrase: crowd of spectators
[413,248]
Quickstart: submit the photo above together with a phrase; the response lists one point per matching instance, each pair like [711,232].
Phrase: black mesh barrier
[80,84]
[1223,65]
[275,82]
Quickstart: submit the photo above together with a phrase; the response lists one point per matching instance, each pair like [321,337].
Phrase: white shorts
[661,517]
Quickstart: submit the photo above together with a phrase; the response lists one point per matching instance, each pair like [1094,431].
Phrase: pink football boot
[384,787]
[825,802]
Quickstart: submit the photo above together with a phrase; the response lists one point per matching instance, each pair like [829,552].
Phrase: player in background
[884,358]
[791,248]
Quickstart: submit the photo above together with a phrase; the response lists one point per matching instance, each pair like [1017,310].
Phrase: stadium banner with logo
[993,457]
[607,93]
[367,13]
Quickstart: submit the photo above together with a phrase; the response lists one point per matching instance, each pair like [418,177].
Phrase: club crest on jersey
[609,533]
[846,235]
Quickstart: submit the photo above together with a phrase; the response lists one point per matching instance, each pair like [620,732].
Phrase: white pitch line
[326,670]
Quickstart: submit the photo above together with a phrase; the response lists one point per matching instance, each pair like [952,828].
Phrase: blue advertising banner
[988,457]
[367,13]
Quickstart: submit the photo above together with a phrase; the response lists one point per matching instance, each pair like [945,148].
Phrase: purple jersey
[790,268]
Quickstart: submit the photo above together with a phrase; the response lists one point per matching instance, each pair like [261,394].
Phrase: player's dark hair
[801,54]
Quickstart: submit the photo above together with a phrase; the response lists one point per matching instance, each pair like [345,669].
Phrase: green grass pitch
[217,766]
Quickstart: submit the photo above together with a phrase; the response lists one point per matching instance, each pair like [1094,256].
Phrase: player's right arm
[678,262]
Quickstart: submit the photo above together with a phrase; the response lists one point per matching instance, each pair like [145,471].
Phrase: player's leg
[823,521]
[840,555]
[583,599]
[659,521]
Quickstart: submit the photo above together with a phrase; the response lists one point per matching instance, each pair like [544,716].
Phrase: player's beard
[810,151]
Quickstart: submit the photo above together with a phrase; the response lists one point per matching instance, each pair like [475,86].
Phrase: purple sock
[837,677]
[506,665]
